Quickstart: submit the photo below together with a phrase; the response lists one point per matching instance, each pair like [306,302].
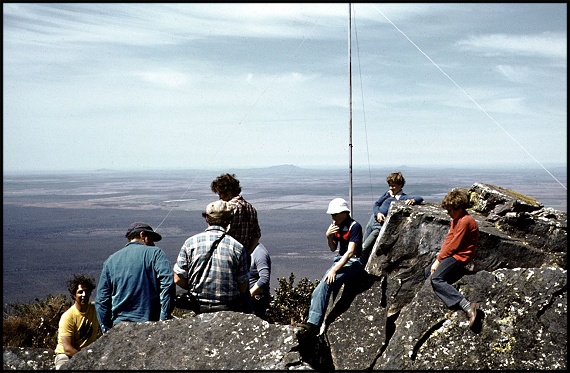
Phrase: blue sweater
[384,202]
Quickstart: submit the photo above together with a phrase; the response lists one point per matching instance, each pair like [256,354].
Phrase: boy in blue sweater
[396,183]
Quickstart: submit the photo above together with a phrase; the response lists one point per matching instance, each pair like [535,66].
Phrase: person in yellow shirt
[78,326]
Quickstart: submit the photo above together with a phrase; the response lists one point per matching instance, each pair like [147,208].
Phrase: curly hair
[457,199]
[73,283]
[226,183]
[396,178]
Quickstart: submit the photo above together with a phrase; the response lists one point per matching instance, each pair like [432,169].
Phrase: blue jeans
[448,272]
[322,293]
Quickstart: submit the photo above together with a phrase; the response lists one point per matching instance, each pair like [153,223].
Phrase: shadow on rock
[315,351]
[350,290]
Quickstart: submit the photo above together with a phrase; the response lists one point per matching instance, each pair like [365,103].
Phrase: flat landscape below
[57,225]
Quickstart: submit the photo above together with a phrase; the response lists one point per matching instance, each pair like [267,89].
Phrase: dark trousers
[260,305]
[204,307]
[189,302]
[448,272]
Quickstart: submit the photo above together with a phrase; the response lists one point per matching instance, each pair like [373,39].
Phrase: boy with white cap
[343,233]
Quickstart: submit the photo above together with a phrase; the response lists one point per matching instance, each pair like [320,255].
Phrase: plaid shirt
[226,268]
[244,226]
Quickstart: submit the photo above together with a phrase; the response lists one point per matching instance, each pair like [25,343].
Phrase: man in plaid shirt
[213,266]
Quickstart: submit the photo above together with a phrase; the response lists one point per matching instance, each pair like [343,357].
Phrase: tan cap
[219,210]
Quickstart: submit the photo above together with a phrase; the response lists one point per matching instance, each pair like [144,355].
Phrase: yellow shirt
[82,327]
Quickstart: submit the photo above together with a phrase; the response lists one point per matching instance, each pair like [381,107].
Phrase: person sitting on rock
[78,326]
[345,234]
[380,209]
[455,257]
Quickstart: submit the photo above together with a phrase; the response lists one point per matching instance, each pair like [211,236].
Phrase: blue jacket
[135,285]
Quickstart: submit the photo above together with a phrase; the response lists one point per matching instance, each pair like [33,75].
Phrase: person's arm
[66,329]
[354,240]
[331,275]
[253,244]
[180,269]
[103,301]
[379,202]
[382,206]
[412,200]
[263,269]
[256,231]
[453,239]
[245,297]
[434,266]
[68,346]
[331,239]
[165,279]
[180,281]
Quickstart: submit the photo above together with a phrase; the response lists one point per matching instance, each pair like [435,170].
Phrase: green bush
[34,324]
[290,304]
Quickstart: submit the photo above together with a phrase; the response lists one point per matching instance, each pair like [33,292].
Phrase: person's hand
[410,201]
[331,276]
[332,229]
[434,266]
[380,217]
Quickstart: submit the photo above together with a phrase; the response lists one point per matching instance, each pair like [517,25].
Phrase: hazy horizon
[329,167]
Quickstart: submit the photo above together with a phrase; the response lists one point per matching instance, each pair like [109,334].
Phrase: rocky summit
[389,318]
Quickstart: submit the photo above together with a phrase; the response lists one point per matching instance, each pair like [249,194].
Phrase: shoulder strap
[214,246]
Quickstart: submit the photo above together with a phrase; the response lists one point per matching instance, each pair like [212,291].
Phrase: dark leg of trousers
[448,272]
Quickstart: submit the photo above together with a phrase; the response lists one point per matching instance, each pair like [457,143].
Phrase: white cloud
[164,78]
[550,45]
[514,74]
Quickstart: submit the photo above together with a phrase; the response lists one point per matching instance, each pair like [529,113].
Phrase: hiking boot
[472,314]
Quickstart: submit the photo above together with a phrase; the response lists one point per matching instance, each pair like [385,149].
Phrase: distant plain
[55,225]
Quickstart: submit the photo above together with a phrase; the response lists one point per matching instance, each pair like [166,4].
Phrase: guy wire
[476,104]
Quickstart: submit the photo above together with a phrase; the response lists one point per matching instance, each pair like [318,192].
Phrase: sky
[222,86]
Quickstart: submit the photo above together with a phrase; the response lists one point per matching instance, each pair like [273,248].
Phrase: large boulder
[28,358]
[522,326]
[210,341]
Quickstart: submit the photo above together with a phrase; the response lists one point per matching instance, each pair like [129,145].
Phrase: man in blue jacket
[136,282]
